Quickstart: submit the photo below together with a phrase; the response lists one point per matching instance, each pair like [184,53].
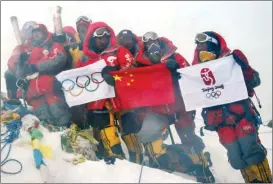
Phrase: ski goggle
[202,37]
[82,18]
[100,32]
[149,36]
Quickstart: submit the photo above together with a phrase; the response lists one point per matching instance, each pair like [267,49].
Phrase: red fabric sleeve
[14,58]
[125,58]
[249,71]
[181,60]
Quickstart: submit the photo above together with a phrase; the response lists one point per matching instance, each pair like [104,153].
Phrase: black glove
[59,38]
[110,160]
[108,69]
[23,58]
[29,68]
[109,79]
[239,61]
[172,65]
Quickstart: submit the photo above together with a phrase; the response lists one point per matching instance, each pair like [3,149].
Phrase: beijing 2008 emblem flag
[212,83]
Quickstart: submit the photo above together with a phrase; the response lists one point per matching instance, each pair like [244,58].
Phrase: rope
[139,179]
[145,160]
[13,131]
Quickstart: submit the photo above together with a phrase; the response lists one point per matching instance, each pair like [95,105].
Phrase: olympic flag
[212,83]
[84,85]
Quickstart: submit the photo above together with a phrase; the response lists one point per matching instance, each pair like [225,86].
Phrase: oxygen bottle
[57,19]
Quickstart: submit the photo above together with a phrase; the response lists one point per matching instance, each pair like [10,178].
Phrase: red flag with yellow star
[145,86]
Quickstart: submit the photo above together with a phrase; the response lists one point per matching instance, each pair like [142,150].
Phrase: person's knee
[252,149]
[228,138]
[78,116]
[60,113]
[235,155]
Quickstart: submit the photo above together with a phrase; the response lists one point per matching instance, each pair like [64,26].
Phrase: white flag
[212,83]
[83,85]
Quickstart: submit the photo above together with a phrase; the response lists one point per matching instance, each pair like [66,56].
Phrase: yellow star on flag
[116,77]
[127,80]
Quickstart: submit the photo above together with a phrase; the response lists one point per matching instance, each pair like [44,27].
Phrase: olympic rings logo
[82,82]
[213,94]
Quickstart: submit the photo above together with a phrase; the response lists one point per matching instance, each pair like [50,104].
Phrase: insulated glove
[109,79]
[29,68]
[173,65]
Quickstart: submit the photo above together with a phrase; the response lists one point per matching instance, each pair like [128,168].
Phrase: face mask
[39,38]
[154,53]
[206,56]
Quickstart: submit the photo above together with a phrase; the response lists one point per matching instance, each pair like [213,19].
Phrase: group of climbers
[34,65]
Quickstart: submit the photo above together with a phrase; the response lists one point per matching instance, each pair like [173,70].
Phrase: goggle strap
[208,38]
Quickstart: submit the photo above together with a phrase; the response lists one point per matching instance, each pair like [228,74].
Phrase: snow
[61,171]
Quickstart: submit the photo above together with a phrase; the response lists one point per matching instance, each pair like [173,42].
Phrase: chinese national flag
[145,86]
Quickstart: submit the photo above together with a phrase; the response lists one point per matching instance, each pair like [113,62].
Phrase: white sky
[244,25]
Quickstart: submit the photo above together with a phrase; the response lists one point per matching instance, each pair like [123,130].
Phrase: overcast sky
[244,25]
